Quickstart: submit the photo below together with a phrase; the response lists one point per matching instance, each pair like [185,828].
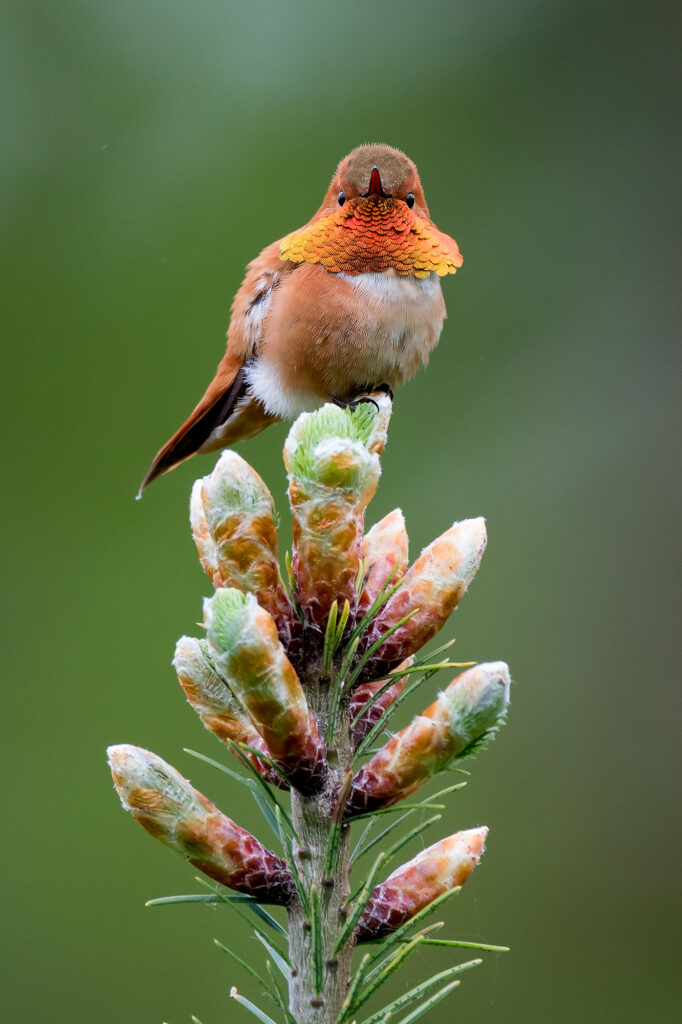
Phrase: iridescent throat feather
[374,233]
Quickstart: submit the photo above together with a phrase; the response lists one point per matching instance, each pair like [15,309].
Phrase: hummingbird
[348,304]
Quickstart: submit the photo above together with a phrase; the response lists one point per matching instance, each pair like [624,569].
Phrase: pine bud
[219,710]
[384,553]
[431,589]
[444,866]
[333,475]
[247,654]
[171,810]
[465,715]
[233,523]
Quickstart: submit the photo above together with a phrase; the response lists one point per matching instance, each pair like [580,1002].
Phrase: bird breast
[329,335]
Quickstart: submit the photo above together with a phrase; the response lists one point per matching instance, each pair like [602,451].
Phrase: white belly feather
[404,318]
[382,338]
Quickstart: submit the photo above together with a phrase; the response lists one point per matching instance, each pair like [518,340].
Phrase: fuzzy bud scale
[172,811]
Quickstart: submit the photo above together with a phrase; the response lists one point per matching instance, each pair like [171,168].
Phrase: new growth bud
[465,715]
[431,589]
[219,710]
[333,475]
[233,523]
[444,866]
[171,810]
[247,653]
[384,553]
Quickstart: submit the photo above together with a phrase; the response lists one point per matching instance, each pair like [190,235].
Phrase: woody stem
[312,819]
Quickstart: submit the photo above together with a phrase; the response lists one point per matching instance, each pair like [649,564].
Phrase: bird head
[376,172]
[373,218]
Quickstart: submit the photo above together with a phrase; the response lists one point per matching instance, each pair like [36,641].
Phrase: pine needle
[345,612]
[287,842]
[384,595]
[359,905]
[355,675]
[251,1007]
[330,637]
[357,979]
[237,897]
[277,958]
[316,938]
[234,746]
[338,687]
[222,768]
[430,1003]
[362,847]
[485,947]
[337,826]
[419,991]
[389,967]
[257,909]
[247,967]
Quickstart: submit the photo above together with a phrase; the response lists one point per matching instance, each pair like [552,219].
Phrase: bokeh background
[149,150]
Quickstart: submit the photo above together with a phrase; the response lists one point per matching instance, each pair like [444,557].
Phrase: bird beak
[375,183]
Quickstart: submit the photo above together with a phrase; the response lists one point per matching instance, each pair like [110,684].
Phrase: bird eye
[409,199]
[342,197]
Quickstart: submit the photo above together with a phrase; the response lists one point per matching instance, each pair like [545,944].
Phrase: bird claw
[353,403]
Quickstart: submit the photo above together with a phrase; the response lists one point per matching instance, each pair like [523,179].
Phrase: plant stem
[312,819]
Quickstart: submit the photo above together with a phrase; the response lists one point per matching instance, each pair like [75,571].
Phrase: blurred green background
[149,150]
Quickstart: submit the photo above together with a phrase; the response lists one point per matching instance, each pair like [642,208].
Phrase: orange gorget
[373,233]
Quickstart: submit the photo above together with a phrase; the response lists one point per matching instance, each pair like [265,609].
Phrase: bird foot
[353,403]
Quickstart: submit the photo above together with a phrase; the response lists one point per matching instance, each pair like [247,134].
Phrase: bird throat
[373,233]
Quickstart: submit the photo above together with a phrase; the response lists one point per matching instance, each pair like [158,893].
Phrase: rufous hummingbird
[348,304]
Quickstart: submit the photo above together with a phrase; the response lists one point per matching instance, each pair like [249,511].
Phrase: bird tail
[207,428]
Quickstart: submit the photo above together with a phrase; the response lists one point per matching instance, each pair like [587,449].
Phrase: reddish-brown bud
[172,811]
[384,553]
[430,592]
[465,714]
[445,865]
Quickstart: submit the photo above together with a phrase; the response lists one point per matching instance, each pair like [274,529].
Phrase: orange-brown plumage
[349,302]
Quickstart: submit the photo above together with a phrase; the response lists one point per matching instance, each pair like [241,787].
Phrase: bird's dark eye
[409,199]
[342,197]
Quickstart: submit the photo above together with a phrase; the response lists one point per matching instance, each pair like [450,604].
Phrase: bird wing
[229,385]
